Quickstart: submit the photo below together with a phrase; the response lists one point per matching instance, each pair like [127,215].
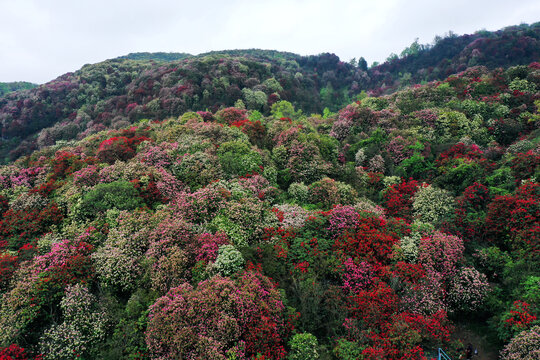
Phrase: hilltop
[513,45]
[8,87]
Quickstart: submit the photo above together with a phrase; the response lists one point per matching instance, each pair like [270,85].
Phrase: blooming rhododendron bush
[218,318]
[384,230]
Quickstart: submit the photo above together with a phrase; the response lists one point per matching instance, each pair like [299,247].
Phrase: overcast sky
[42,39]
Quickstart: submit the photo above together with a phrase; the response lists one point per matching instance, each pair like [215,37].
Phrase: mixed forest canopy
[15,86]
[253,204]
[121,91]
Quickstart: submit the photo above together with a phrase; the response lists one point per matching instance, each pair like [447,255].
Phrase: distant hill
[7,87]
[117,92]
[156,56]
[173,56]
[451,54]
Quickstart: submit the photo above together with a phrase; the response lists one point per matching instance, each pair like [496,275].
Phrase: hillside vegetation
[7,87]
[451,54]
[273,229]
[122,91]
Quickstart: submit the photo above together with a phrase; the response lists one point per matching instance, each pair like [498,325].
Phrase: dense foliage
[117,92]
[15,86]
[450,54]
[239,232]
[120,91]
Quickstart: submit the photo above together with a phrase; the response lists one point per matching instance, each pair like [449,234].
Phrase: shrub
[190,116]
[374,307]
[305,163]
[461,166]
[324,192]
[244,221]
[376,164]
[116,268]
[28,201]
[520,317]
[347,350]
[259,187]
[409,246]
[427,297]
[229,261]
[293,216]
[15,352]
[433,205]
[160,156]
[209,246]
[416,166]
[441,253]
[119,148]
[492,261]
[299,192]
[347,193]
[399,149]
[197,170]
[525,346]
[356,277]
[370,241]
[342,219]
[120,195]
[118,261]
[366,207]
[303,347]
[521,146]
[129,171]
[65,163]
[202,205]
[84,327]
[360,157]
[171,253]
[236,158]
[21,227]
[525,165]
[468,290]
[8,265]
[511,220]
[194,323]
[88,176]
[398,199]
[230,115]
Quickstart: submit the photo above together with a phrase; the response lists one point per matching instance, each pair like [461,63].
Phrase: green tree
[362,64]
[120,195]
[284,109]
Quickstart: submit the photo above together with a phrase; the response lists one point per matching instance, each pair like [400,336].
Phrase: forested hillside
[15,86]
[118,92]
[272,229]
[121,91]
[451,54]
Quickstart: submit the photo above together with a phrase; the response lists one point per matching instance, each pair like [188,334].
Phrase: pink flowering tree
[170,254]
[468,290]
[525,346]
[441,253]
[342,219]
[356,277]
[219,317]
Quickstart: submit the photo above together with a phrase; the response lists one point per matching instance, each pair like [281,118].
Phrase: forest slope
[367,233]
[116,92]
